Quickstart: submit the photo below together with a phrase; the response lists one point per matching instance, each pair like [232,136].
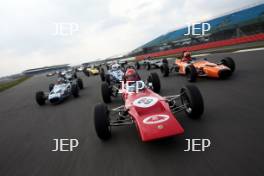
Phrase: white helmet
[115,67]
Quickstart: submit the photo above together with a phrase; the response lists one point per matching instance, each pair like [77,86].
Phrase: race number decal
[145,102]
[156,119]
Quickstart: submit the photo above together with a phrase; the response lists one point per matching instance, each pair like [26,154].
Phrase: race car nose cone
[225,73]
[54,100]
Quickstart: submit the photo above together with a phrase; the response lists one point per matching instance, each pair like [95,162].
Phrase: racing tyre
[75,91]
[101,122]
[40,98]
[161,68]
[102,74]
[75,75]
[51,87]
[229,62]
[192,98]
[165,70]
[137,65]
[86,72]
[154,79]
[80,83]
[106,92]
[148,66]
[191,73]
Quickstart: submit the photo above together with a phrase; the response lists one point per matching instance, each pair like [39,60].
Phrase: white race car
[58,92]
[151,63]
[114,75]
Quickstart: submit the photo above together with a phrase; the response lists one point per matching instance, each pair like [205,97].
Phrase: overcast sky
[101,28]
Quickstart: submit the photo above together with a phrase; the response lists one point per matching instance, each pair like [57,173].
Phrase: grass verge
[9,84]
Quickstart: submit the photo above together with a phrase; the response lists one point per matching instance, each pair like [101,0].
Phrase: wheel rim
[185,101]
[188,76]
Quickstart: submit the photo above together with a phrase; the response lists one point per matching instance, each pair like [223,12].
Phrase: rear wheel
[106,92]
[86,72]
[101,122]
[191,73]
[51,87]
[102,74]
[80,83]
[154,79]
[165,70]
[229,62]
[148,66]
[192,98]
[75,91]
[40,98]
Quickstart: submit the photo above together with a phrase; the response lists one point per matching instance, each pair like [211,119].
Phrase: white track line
[201,55]
[248,50]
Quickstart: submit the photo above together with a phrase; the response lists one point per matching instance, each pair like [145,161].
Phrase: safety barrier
[209,45]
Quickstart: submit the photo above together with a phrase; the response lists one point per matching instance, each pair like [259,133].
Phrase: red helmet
[131,75]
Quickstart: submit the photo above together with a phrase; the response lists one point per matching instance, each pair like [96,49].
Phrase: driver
[115,67]
[131,75]
[61,81]
[186,56]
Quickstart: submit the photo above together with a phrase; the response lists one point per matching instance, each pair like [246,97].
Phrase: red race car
[152,114]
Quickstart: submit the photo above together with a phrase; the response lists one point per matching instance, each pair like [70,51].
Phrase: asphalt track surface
[233,121]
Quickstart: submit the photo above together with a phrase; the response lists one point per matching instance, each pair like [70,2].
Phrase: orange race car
[194,68]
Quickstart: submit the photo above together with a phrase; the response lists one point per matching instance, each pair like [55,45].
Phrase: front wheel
[101,122]
[40,98]
[230,63]
[154,79]
[191,97]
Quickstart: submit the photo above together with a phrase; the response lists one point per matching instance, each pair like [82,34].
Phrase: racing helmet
[131,75]
[115,67]
[60,81]
[187,54]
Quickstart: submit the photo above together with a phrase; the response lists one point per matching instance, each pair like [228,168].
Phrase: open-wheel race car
[152,114]
[91,70]
[58,92]
[111,81]
[115,74]
[200,68]
[151,63]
